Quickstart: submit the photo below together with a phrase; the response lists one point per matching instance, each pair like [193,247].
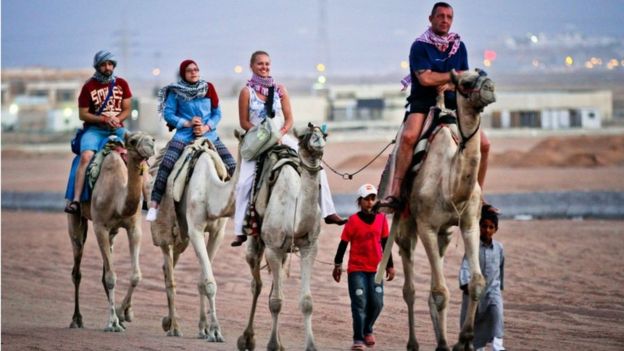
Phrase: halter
[305,140]
[467,93]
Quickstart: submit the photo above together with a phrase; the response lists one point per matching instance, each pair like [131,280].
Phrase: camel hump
[184,167]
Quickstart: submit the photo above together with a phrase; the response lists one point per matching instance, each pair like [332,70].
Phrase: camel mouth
[478,89]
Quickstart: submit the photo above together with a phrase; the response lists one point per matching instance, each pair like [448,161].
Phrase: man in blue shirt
[432,57]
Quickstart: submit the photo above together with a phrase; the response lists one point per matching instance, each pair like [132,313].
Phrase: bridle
[312,129]
[468,93]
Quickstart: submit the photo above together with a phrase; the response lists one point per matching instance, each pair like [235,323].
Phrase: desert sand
[564,280]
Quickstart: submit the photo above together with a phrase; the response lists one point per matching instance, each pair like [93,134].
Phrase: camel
[291,221]
[201,212]
[445,193]
[115,203]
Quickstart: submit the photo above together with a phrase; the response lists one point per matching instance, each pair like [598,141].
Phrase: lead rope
[349,176]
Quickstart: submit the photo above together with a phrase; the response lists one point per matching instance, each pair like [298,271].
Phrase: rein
[465,140]
[349,176]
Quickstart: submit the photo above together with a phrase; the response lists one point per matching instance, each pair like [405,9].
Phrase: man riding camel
[432,57]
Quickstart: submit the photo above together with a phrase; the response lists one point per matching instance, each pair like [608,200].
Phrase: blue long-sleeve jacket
[177,111]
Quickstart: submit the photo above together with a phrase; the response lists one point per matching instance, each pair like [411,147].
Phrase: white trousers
[245,182]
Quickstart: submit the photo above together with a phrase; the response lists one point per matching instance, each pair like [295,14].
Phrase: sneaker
[152,213]
[369,339]
[358,346]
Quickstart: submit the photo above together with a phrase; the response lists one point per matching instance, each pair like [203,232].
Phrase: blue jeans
[366,302]
[93,137]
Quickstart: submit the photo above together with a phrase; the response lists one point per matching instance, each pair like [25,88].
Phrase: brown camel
[115,203]
[291,221]
[201,213]
[444,194]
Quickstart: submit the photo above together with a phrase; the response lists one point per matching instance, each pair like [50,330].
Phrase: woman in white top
[251,112]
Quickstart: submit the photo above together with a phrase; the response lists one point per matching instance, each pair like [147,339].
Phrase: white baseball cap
[366,189]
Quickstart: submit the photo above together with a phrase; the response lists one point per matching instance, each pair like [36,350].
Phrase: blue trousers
[366,302]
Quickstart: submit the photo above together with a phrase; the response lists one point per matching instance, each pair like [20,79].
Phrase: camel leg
[275,260]
[212,331]
[476,285]
[77,227]
[407,246]
[207,285]
[308,254]
[124,312]
[439,295]
[255,249]
[170,322]
[108,275]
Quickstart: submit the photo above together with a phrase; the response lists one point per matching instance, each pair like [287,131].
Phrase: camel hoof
[463,347]
[125,315]
[412,346]
[174,332]
[214,335]
[166,323]
[246,343]
[76,323]
[275,347]
[115,327]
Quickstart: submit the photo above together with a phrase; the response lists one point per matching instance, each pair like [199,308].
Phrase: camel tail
[381,269]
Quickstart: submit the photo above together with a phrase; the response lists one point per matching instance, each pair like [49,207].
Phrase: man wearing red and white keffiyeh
[441,42]
[433,55]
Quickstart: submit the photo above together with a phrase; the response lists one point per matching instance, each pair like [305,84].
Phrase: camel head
[311,140]
[475,87]
[140,144]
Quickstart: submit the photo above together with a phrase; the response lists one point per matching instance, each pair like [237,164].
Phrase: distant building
[527,109]
[41,99]
[550,109]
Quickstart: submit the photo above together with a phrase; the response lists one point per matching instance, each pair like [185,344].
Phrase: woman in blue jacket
[191,106]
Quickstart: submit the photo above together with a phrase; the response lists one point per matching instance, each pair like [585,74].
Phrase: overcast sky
[361,36]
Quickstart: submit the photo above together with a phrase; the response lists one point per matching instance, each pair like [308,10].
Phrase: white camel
[201,213]
[291,222]
[443,194]
[115,203]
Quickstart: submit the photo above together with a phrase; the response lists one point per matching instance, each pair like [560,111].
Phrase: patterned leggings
[174,150]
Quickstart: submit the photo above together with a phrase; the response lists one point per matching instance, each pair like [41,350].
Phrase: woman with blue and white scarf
[191,107]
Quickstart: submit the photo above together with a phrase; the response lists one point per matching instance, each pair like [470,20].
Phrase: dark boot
[240,239]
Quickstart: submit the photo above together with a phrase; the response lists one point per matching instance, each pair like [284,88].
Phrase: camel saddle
[183,168]
[267,171]
[113,143]
[437,118]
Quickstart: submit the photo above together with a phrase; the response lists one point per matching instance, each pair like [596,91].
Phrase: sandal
[391,202]
[72,207]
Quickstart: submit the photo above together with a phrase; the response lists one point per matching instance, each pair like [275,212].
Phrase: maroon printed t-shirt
[365,240]
[94,93]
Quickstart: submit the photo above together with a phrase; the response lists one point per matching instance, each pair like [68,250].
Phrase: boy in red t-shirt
[367,231]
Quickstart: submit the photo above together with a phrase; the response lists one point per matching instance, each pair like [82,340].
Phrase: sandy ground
[516,165]
[564,279]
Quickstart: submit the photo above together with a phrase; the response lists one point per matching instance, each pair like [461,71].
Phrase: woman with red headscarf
[191,107]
